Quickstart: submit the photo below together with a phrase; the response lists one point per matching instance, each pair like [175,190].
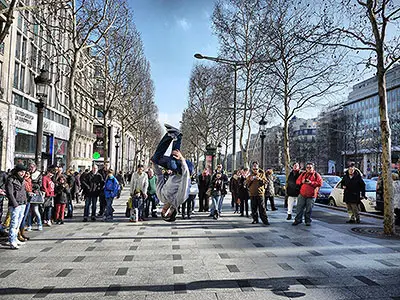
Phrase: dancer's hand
[177,155]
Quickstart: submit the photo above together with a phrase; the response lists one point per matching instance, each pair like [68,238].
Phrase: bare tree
[354,134]
[364,25]
[240,27]
[305,72]
[85,24]
[116,56]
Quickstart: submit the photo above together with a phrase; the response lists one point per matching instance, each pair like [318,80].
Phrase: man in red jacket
[309,182]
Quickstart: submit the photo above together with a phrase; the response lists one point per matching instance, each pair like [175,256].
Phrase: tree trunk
[105,138]
[388,221]
[72,109]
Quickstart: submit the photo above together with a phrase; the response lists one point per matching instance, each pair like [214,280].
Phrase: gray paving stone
[294,263]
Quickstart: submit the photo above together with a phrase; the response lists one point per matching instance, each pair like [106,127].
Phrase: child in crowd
[137,205]
[111,190]
[62,193]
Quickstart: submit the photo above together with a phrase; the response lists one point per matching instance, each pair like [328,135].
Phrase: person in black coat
[17,199]
[203,184]
[92,186]
[292,190]
[244,193]
[354,189]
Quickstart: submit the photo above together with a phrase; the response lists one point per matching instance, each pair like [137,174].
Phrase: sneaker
[171,216]
[14,246]
[20,243]
[171,128]
[358,221]
[266,223]
[29,228]
[295,223]
[289,217]
[61,222]
[40,227]
[93,219]
[350,222]
[173,132]
[84,219]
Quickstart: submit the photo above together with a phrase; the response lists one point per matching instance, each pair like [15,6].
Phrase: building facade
[363,122]
[24,54]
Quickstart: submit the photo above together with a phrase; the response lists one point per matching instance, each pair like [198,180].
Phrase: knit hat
[20,167]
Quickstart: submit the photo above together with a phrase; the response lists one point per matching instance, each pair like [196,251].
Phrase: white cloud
[184,24]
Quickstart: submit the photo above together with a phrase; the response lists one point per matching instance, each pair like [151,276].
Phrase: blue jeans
[27,212]
[137,206]
[109,209]
[35,208]
[17,214]
[168,162]
[48,213]
[220,202]
[214,205]
[90,200]
[304,204]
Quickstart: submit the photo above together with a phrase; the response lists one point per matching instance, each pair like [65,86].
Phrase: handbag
[193,189]
[37,198]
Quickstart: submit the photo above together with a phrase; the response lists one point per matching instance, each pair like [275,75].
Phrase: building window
[22,79]
[23,54]
[16,73]
[18,46]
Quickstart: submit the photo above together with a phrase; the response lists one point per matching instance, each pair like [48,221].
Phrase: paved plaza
[202,258]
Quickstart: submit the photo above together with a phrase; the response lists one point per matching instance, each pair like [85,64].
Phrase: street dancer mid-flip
[175,190]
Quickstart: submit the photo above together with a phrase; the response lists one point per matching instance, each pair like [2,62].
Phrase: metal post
[234,122]
[262,150]
[116,158]
[39,134]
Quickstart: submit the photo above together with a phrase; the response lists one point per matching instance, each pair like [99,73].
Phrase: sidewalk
[202,258]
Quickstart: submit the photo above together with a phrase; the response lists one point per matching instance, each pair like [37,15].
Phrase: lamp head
[198,56]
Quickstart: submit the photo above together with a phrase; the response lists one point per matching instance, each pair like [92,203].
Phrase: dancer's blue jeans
[168,162]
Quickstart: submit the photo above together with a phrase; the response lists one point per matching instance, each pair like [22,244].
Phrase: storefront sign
[23,117]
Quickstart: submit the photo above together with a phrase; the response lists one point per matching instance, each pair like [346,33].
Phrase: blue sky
[172,32]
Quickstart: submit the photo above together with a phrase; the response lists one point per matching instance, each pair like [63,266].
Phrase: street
[202,258]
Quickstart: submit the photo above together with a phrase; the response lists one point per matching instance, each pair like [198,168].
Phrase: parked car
[323,194]
[280,184]
[367,205]
[332,180]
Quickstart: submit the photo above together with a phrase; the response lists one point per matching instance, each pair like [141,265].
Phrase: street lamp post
[117,138]
[262,124]
[235,65]
[42,82]
[219,152]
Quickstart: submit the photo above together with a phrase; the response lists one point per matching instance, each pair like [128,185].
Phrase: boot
[23,234]
[20,237]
